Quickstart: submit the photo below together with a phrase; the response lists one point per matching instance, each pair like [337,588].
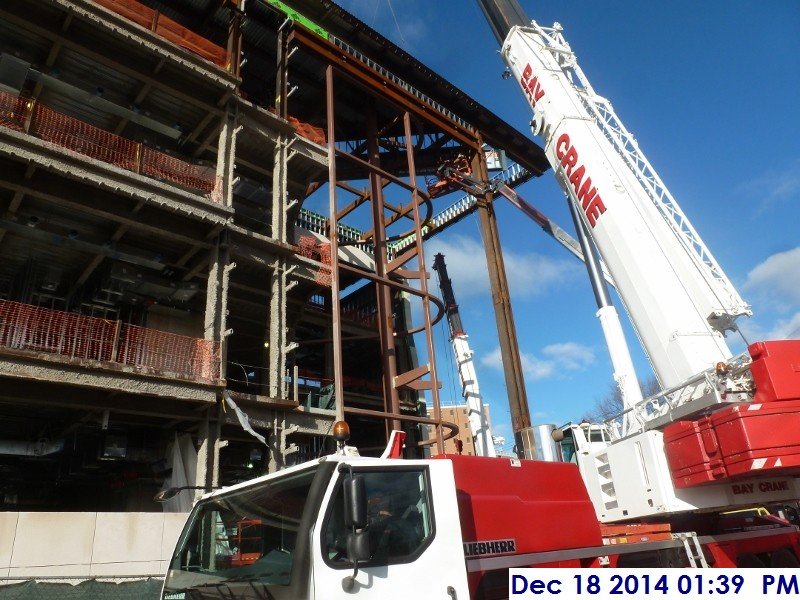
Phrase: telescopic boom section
[502,15]
[449,297]
[478,422]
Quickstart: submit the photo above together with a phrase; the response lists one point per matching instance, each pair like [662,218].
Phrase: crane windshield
[245,537]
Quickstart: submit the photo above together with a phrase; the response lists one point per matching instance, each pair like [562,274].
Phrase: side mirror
[355,502]
[358,549]
[355,519]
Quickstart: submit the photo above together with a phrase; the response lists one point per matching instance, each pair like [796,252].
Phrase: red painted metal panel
[759,438]
[776,370]
[741,440]
[542,506]
[693,453]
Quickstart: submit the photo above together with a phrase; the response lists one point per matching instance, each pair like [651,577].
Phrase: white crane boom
[676,294]
[678,299]
[479,425]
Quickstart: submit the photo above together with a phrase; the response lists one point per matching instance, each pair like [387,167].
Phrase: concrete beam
[126,32]
[46,368]
[47,156]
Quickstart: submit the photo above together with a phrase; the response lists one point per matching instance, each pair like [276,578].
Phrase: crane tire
[783,559]
[749,561]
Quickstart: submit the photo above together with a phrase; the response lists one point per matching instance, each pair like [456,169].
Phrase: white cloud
[567,356]
[786,329]
[774,186]
[776,279]
[570,355]
[528,274]
[535,368]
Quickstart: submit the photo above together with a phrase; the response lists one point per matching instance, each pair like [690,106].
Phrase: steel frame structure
[392,273]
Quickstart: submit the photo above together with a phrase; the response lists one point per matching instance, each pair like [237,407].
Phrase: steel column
[423,283]
[383,291]
[504,316]
[333,227]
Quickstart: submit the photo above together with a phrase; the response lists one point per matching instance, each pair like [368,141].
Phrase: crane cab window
[246,535]
[400,520]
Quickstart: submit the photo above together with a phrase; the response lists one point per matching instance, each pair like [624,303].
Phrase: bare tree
[610,404]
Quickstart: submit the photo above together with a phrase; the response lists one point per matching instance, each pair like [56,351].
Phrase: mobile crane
[661,478]
[479,427]
[681,450]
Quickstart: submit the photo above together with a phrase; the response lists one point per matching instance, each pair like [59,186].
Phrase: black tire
[750,561]
[784,559]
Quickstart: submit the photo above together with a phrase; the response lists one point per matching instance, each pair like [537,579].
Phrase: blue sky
[710,90]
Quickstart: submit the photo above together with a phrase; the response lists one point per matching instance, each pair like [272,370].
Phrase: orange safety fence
[83,138]
[36,329]
[12,111]
[308,131]
[312,248]
[168,352]
[163,166]
[168,29]
[28,327]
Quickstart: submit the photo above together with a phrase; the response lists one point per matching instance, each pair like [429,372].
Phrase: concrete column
[226,154]
[216,311]
[280,274]
[276,442]
[208,451]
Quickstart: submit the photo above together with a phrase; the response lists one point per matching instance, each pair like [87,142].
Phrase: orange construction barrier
[34,329]
[23,114]
[170,30]
[12,111]
[310,247]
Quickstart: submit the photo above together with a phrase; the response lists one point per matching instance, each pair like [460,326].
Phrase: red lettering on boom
[590,201]
[570,159]
[531,87]
[586,193]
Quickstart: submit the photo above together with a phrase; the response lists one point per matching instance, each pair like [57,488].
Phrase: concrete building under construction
[162,272]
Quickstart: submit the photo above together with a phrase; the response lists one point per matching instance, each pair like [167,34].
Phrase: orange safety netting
[32,328]
[12,111]
[83,138]
[308,131]
[163,166]
[310,247]
[168,29]
[168,352]
[79,136]
[28,327]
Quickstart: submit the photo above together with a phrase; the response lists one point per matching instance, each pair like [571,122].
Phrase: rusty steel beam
[423,283]
[382,290]
[506,330]
[384,88]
